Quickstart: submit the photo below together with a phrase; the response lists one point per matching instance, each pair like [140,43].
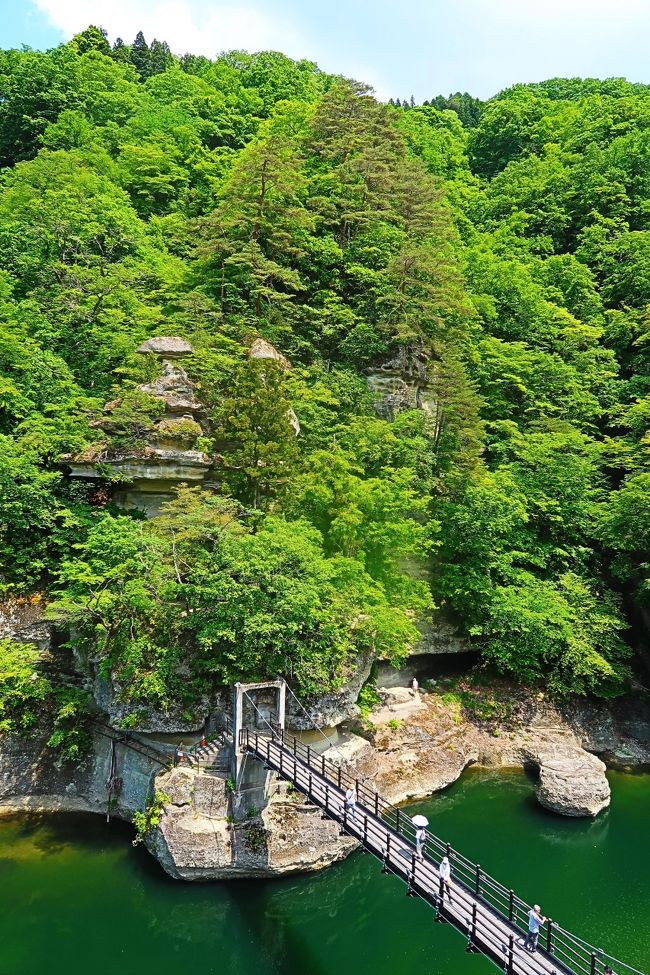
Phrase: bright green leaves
[193,592]
[83,259]
[23,689]
[625,529]
[527,596]
[253,196]
[29,702]
[561,631]
[37,87]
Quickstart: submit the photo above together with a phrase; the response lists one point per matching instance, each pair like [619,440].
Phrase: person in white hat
[535,922]
[445,876]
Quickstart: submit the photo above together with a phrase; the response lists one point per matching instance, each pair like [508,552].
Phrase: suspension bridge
[493,919]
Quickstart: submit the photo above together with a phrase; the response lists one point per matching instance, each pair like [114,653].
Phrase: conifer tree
[160,57]
[141,56]
[121,51]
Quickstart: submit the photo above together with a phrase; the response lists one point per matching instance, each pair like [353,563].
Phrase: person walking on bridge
[445,876]
[535,922]
[420,840]
[351,802]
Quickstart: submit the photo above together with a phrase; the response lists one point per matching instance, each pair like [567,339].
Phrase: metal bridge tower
[261,709]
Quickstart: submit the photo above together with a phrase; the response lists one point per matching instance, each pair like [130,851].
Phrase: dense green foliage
[503,246]
[29,700]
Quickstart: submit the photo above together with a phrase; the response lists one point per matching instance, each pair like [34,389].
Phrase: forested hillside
[505,245]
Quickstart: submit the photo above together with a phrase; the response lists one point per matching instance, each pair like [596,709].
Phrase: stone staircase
[212,757]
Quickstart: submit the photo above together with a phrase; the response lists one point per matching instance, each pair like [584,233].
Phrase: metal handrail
[126,739]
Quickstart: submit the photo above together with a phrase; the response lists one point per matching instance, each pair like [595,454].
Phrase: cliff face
[31,778]
[197,838]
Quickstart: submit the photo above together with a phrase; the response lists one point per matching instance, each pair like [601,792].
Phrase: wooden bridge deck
[494,919]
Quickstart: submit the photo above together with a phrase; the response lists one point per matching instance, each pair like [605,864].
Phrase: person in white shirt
[415,687]
[351,802]
[535,922]
[420,839]
[445,876]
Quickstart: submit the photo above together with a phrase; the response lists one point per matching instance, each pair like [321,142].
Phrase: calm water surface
[77,899]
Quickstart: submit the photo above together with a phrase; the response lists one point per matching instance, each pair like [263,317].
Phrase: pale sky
[424,47]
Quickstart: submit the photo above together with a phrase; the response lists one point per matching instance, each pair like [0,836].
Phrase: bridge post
[471,939]
[385,866]
[309,786]
[511,954]
[397,819]
[309,755]
[257,709]
[322,765]
[338,776]
[365,834]
[549,936]
[440,916]
[410,892]
[327,801]
[344,824]
[592,966]
[478,880]
[376,803]
[511,905]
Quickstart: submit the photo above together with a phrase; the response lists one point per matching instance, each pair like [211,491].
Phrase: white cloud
[187,25]
[204,27]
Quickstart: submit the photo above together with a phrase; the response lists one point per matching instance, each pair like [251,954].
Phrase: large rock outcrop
[197,840]
[403,382]
[165,455]
[330,710]
[24,621]
[167,346]
[423,743]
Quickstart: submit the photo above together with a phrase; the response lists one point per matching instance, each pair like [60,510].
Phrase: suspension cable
[270,726]
[309,717]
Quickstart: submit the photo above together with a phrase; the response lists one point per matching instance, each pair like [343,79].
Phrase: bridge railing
[129,741]
[571,952]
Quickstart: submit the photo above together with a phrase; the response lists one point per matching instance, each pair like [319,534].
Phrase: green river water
[77,899]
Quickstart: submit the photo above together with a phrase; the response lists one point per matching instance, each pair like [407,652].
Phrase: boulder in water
[573,783]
